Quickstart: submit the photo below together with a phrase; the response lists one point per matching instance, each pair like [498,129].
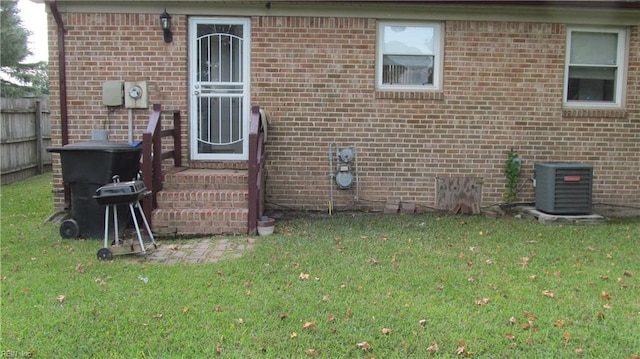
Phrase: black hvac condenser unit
[563,187]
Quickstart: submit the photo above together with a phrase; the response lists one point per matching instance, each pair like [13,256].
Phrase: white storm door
[219,108]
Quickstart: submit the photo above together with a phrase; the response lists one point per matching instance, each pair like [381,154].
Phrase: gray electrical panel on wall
[112,93]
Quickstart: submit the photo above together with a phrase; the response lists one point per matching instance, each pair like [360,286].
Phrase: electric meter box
[135,94]
[112,93]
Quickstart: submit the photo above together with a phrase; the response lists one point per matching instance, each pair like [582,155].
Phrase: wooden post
[39,142]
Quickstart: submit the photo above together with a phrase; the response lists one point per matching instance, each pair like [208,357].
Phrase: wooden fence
[26,133]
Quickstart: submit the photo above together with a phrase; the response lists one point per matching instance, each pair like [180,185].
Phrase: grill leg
[135,222]
[115,224]
[106,227]
[146,223]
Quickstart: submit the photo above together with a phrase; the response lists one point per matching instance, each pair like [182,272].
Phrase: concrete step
[185,199]
[194,222]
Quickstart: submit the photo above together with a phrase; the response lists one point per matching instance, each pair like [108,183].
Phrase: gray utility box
[563,187]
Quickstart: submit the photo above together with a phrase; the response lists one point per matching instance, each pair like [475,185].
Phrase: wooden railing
[256,168]
[152,155]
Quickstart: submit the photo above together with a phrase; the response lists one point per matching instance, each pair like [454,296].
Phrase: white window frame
[437,63]
[620,80]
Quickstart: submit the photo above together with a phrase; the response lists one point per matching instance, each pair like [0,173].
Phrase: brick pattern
[109,47]
[202,201]
[503,86]
[502,89]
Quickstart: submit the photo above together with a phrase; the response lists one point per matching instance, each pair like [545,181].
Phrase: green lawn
[361,286]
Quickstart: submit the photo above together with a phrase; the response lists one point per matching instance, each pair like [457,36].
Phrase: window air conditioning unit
[563,187]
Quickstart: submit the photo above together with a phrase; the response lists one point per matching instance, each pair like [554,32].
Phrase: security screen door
[219,88]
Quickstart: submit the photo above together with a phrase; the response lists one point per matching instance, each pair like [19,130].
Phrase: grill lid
[121,192]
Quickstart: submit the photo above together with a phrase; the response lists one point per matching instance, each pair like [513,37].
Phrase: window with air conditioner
[594,67]
[409,56]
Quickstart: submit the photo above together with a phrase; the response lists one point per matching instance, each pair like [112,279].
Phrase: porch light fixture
[165,23]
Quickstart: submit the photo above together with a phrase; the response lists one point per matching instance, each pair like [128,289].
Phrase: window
[594,73]
[409,56]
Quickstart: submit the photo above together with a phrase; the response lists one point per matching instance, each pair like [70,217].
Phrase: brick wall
[502,89]
[503,86]
[109,47]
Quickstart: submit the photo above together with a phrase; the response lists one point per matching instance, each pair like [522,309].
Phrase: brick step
[206,179]
[199,221]
[202,199]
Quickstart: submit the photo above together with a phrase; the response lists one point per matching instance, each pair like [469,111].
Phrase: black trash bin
[86,166]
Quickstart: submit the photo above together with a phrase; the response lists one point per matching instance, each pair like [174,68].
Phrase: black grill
[121,192]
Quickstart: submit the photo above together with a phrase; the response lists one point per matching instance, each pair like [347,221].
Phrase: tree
[21,79]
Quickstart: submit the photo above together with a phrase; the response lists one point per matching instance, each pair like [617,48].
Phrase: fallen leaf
[579,351]
[326,298]
[524,261]
[309,326]
[364,346]
[600,316]
[462,348]
[530,315]
[394,261]
[558,323]
[248,284]
[61,298]
[548,293]
[566,336]
[483,301]
[218,350]
[606,306]
[422,323]
[605,295]
[172,247]
[79,268]
[386,331]
[510,336]
[240,321]
[528,325]
[312,352]
[627,274]
[293,335]
[433,348]
[471,279]
[331,318]
[529,341]
[26,290]
[283,316]
[185,310]
[157,316]
[304,276]
[513,320]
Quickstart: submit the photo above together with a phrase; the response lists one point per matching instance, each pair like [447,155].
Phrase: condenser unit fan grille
[563,188]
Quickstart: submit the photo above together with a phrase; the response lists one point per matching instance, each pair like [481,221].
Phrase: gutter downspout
[62,79]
